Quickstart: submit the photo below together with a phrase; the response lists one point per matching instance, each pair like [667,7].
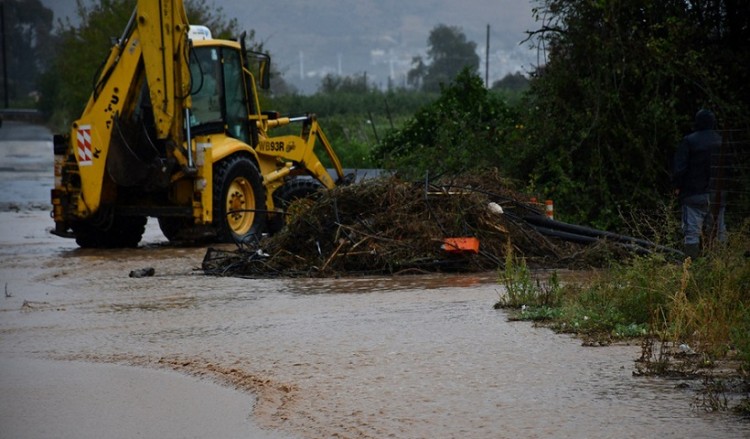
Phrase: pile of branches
[391,226]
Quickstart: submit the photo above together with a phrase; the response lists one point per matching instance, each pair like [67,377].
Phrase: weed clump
[693,318]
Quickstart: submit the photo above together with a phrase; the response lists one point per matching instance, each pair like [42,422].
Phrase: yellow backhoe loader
[173,130]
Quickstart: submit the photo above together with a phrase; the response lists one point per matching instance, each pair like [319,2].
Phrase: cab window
[205,71]
[234,89]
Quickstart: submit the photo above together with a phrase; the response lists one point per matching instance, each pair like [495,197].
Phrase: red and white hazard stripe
[85,156]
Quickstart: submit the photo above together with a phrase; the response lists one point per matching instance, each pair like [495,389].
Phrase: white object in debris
[495,208]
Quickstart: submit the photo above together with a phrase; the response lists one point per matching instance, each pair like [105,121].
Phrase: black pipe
[545,222]
[583,239]
[567,236]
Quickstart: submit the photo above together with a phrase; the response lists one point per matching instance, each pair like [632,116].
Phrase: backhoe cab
[173,130]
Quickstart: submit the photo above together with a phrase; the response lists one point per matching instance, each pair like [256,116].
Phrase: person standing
[694,178]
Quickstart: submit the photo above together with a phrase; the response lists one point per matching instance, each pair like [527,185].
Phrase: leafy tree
[513,82]
[343,84]
[466,128]
[417,73]
[449,52]
[27,41]
[621,85]
[279,86]
[67,84]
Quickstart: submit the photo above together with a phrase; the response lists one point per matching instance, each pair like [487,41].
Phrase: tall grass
[694,309]
[710,308]
[537,297]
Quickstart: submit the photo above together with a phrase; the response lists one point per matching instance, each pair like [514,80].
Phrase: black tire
[172,227]
[239,199]
[121,232]
[292,190]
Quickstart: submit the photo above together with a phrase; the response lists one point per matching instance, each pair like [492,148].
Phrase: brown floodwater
[420,356]
[375,357]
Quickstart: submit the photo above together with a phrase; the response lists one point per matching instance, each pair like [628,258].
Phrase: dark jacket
[692,170]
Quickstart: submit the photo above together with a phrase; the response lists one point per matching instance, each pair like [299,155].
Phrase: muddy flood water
[405,357]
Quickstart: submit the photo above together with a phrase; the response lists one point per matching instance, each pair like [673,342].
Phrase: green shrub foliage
[621,84]
[466,128]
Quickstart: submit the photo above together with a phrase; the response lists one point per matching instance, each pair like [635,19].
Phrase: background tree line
[597,127]
[621,85]
[27,46]
[594,128]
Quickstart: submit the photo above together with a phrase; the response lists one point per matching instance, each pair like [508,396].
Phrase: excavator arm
[163,30]
[153,48]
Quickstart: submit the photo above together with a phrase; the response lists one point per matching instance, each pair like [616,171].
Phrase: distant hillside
[309,39]
[380,37]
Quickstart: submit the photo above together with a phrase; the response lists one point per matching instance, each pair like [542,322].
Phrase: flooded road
[368,357]
[408,357]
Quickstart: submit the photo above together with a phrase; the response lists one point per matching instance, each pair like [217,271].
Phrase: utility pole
[487,60]
[5,54]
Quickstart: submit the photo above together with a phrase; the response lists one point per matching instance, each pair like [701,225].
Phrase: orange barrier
[460,245]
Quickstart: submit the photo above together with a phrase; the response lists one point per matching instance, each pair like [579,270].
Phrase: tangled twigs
[388,225]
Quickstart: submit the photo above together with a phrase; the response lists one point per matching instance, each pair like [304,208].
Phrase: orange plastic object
[460,245]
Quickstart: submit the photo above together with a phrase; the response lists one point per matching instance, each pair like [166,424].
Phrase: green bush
[468,128]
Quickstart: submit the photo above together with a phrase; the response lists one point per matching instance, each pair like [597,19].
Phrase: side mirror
[264,63]
[264,68]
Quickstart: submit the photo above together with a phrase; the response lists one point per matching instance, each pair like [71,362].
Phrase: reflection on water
[385,284]
[163,304]
[412,356]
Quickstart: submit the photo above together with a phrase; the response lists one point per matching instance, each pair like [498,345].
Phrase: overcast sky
[308,39]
